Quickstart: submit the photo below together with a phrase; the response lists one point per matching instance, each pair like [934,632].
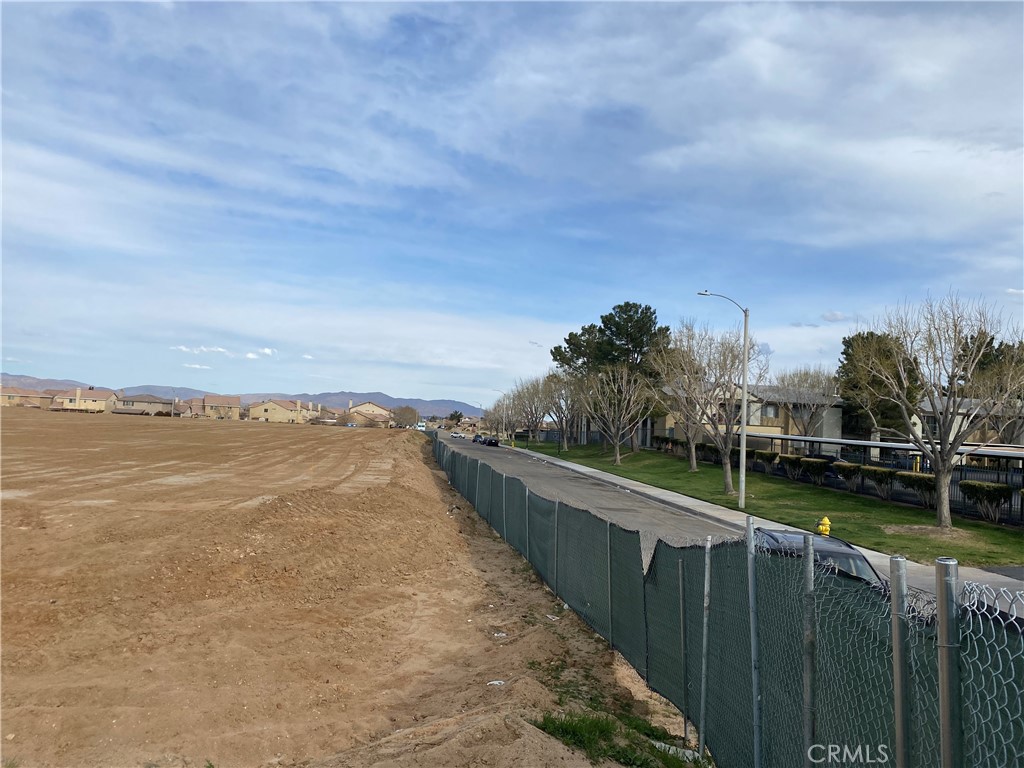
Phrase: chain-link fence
[837,671]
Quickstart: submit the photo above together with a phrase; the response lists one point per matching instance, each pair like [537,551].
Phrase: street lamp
[743,400]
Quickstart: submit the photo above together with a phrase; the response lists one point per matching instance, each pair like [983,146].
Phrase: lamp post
[743,398]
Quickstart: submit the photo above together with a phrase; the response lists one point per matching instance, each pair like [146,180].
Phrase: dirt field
[182,592]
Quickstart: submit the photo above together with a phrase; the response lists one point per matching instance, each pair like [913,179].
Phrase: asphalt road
[624,508]
[676,519]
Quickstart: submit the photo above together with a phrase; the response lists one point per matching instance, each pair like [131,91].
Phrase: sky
[424,199]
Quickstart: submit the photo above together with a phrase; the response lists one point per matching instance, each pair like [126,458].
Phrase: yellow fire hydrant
[824,526]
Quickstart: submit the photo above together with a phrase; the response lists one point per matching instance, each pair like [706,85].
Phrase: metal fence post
[682,649]
[755,662]
[528,556]
[476,493]
[504,507]
[608,562]
[951,737]
[810,649]
[556,549]
[900,670]
[704,646]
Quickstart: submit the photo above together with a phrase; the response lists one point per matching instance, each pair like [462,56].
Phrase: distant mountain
[31,382]
[168,393]
[333,399]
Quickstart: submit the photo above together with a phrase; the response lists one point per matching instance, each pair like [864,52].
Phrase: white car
[458,435]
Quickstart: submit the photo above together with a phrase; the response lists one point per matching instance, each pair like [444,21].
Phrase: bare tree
[940,347]
[617,399]
[406,415]
[532,404]
[561,394]
[805,395]
[707,369]
[676,371]
[507,415]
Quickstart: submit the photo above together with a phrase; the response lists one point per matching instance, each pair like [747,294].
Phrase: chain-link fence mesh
[515,514]
[923,674]
[780,610]
[728,726]
[583,565]
[992,653]
[628,625]
[838,638]
[854,673]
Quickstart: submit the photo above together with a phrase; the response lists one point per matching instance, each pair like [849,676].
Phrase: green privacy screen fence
[827,672]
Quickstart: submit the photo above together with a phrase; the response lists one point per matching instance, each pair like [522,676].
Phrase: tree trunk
[618,454]
[943,477]
[727,471]
[693,455]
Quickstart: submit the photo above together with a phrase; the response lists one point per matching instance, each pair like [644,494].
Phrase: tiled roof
[225,400]
[87,394]
[145,399]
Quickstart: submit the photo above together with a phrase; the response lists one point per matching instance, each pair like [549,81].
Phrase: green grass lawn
[858,519]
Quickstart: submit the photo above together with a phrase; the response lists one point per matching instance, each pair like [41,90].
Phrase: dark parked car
[491,441]
[478,438]
[828,550]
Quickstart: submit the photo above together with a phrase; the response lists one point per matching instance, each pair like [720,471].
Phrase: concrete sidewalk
[919,575]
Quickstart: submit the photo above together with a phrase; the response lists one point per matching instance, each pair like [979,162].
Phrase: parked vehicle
[828,551]
[458,436]
[491,441]
[478,438]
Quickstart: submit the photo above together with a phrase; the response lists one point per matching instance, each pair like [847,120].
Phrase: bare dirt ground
[185,593]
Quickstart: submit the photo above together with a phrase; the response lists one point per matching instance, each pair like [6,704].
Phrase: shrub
[849,472]
[791,463]
[883,479]
[711,453]
[815,469]
[989,498]
[921,482]
[767,458]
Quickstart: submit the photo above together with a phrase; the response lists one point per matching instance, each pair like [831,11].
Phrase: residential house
[89,400]
[1005,426]
[226,407]
[24,398]
[774,411]
[279,412]
[144,405]
[369,415]
[771,412]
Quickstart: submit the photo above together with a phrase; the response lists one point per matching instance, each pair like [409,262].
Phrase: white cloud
[251,356]
[196,365]
[307,357]
[837,317]
[200,350]
[267,351]
[1015,291]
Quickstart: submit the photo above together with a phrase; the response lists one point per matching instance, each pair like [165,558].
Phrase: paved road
[673,517]
[608,501]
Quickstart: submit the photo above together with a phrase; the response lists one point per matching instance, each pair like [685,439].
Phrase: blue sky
[424,199]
